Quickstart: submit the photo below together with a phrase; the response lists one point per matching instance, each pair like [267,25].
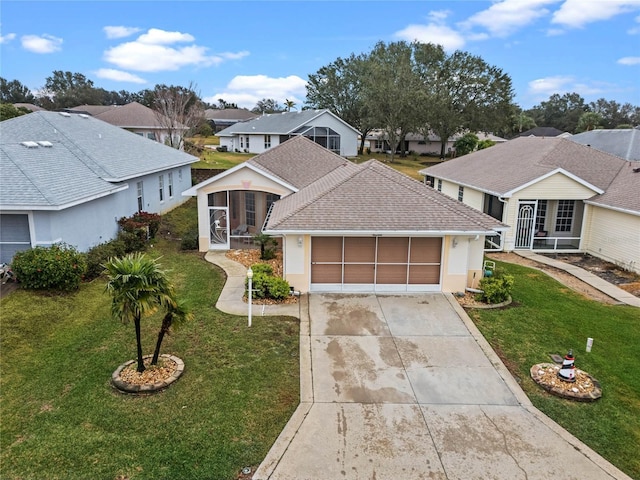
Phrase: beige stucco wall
[613,236]
[242,179]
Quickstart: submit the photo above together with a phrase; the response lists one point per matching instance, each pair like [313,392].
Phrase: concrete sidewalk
[614,292]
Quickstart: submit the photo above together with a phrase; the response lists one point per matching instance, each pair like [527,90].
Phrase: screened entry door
[525,225]
[218,228]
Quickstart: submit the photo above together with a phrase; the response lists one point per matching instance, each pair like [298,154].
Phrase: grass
[549,318]
[221,160]
[61,419]
[409,165]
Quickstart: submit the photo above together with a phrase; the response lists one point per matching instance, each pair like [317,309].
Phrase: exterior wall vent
[29,144]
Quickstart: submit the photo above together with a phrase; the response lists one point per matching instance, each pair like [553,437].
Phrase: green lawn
[222,160]
[409,165]
[61,419]
[548,318]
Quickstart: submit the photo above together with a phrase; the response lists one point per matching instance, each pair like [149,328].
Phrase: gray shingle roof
[275,123]
[622,194]
[372,197]
[541,132]
[508,166]
[131,115]
[624,143]
[233,114]
[87,158]
[299,161]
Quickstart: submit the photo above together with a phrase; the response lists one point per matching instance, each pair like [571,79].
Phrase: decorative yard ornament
[568,370]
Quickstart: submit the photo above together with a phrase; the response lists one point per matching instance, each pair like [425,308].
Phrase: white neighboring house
[270,130]
[556,194]
[417,143]
[70,177]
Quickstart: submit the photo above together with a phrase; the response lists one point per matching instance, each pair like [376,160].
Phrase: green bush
[133,241]
[265,284]
[496,288]
[189,240]
[277,288]
[263,268]
[259,284]
[143,224]
[100,254]
[59,267]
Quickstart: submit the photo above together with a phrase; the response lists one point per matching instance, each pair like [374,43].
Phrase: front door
[526,224]
[218,228]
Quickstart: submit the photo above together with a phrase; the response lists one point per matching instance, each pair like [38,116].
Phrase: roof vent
[45,143]
[83,115]
[29,144]
[65,114]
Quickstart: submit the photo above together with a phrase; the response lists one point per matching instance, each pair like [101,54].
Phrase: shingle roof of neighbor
[373,197]
[275,123]
[238,114]
[541,132]
[131,115]
[299,161]
[624,143]
[504,168]
[80,157]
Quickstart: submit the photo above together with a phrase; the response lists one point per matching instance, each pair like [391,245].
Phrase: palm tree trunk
[166,325]
[139,345]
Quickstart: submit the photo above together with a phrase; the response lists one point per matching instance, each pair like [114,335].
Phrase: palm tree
[289,104]
[138,287]
[176,313]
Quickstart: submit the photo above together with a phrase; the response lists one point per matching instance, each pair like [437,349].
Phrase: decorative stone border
[491,305]
[149,387]
[591,396]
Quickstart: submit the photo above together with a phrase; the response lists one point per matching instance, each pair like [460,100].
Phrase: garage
[14,235]
[376,263]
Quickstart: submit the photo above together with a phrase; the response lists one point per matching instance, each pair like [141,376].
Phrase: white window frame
[460,193]
[267,142]
[140,196]
[161,187]
[170,184]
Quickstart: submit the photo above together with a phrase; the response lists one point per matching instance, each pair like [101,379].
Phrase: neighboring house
[622,142]
[69,178]
[554,193]
[542,132]
[133,117]
[417,143]
[342,226]
[221,118]
[270,130]
[28,106]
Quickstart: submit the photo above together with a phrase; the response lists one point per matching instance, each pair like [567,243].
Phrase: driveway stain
[352,320]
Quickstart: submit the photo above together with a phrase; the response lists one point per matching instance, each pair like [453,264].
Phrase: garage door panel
[424,274]
[392,274]
[426,250]
[393,250]
[326,274]
[359,249]
[326,249]
[359,273]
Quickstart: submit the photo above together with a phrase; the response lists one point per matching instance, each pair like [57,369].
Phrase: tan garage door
[375,263]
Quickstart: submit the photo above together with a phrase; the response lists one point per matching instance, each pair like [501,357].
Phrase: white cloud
[41,44]
[432,33]
[635,30]
[578,13]
[118,75]
[247,90]
[120,31]
[506,17]
[542,88]
[7,38]
[153,52]
[550,85]
[629,61]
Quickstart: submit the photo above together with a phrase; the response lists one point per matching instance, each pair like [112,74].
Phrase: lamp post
[250,291]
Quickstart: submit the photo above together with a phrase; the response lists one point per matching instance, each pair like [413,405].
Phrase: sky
[244,51]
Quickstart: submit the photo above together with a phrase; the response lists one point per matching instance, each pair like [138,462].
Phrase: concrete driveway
[404,387]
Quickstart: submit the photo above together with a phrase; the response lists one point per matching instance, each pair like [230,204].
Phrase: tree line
[397,87]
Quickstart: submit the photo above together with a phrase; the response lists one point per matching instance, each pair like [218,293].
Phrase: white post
[250,292]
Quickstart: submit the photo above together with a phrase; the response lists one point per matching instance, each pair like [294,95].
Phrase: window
[140,197]
[241,142]
[429,181]
[541,215]
[439,184]
[271,198]
[247,143]
[161,187]
[379,145]
[151,135]
[180,174]
[170,184]
[250,207]
[564,218]
[267,141]
[460,193]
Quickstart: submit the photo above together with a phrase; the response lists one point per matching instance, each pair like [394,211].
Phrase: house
[342,226]
[622,142]
[555,194]
[69,178]
[270,130]
[417,143]
[133,117]
[28,106]
[542,132]
[221,118]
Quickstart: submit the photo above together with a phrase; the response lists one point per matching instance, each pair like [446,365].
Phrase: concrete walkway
[608,288]
[405,387]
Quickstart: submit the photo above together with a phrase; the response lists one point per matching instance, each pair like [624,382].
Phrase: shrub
[133,241]
[189,240]
[100,254]
[264,268]
[259,284]
[496,288]
[265,284]
[277,288]
[143,224]
[59,267]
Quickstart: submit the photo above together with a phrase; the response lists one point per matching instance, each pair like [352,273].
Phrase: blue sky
[243,51]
